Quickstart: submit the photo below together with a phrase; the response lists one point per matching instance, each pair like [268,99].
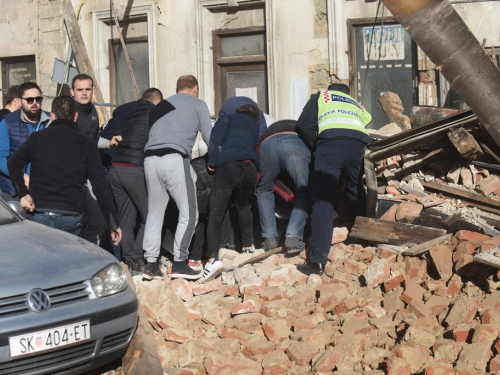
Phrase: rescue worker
[333,125]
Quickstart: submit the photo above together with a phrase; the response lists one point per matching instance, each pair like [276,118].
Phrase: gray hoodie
[179,128]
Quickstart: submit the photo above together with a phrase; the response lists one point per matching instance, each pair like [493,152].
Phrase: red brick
[485,333]
[439,369]
[258,348]
[276,330]
[301,353]
[463,311]
[491,316]
[462,332]
[339,235]
[276,363]
[273,308]
[398,366]
[430,200]
[408,209]
[392,191]
[462,264]
[377,273]
[475,355]
[454,285]
[495,365]
[412,291]
[441,256]
[345,305]
[374,311]
[437,304]
[243,308]
[390,214]
[232,290]
[393,282]
[272,293]
[418,308]
[446,351]
[327,361]
[415,269]
[466,235]
[416,356]
[356,268]
[489,185]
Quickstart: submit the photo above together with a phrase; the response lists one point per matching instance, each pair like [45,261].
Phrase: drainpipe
[438,29]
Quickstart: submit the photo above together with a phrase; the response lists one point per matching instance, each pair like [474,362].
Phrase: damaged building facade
[277,52]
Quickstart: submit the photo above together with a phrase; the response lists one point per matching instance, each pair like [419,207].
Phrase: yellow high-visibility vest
[337,110]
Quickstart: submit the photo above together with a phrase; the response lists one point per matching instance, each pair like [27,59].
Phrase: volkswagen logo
[38,300]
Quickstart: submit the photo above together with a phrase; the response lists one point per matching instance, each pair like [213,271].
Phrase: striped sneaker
[212,270]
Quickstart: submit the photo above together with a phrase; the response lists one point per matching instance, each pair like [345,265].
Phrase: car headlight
[108,281]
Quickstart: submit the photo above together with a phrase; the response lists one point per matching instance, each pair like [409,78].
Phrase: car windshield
[6,215]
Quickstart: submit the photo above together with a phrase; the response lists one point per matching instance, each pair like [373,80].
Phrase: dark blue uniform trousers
[332,157]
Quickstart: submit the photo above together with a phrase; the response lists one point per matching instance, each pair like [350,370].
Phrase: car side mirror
[16,207]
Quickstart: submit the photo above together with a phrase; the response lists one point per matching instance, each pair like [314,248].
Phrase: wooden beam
[426,246]
[81,55]
[433,155]
[392,233]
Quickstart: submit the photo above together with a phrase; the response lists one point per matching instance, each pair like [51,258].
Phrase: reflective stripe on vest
[337,110]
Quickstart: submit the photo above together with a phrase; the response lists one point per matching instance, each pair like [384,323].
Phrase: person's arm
[95,173]
[4,147]
[107,143]
[205,123]
[217,139]
[367,117]
[16,165]
[307,124]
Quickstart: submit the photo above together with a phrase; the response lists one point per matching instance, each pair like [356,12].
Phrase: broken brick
[442,258]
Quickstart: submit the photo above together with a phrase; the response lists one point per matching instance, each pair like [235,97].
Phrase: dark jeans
[131,196]
[240,177]
[67,223]
[331,158]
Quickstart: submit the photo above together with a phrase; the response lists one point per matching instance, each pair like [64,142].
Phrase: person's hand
[27,203]
[27,180]
[116,236]
[115,140]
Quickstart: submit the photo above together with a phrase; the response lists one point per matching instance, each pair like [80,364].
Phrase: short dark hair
[64,107]
[251,111]
[81,77]
[11,94]
[152,94]
[186,82]
[23,87]
[340,87]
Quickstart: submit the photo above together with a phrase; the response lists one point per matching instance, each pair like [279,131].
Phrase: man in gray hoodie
[170,175]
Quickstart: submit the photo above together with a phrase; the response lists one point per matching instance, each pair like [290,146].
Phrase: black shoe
[136,266]
[270,243]
[311,268]
[152,271]
[294,245]
[182,270]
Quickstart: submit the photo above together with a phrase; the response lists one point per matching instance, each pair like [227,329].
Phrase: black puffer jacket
[88,120]
[134,130]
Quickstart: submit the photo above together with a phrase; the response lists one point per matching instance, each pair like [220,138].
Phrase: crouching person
[61,159]
[231,153]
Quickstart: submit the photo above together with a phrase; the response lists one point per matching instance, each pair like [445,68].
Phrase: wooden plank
[426,246]
[392,233]
[488,257]
[436,154]
[262,256]
[489,152]
[81,55]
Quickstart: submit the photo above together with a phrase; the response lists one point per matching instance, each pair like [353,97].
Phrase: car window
[6,214]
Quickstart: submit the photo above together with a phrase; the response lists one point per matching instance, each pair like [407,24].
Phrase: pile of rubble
[374,311]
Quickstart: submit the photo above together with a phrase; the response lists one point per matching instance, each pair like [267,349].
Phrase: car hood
[36,256]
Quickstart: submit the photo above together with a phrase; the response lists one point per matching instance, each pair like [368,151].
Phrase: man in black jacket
[61,159]
[127,178]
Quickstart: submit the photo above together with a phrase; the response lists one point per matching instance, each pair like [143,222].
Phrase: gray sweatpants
[170,176]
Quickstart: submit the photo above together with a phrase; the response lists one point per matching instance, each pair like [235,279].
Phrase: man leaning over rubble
[280,149]
[332,124]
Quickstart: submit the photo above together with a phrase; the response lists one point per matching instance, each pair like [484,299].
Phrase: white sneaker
[212,270]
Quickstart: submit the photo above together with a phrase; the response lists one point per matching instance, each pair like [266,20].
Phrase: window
[18,70]
[240,65]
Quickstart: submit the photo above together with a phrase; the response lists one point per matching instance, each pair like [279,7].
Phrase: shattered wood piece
[393,109]
[454,173]
[465,143]
[477,200]
[467,178]
[426,246]
[488,257]
[434,155]
[392,233]
[262,256]
[430,200]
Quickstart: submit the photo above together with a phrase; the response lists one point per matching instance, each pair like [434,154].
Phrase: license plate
[49,339]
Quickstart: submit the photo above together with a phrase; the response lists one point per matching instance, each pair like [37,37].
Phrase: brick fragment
[345,305]
[406,209]
[393,282]
[301,353]
[416,356]
[243,308]
[442,258]
[398,366]
[485,333]
[463,311]
[446,351]
[495,365]
[375,311]
[276,330]
[462,332]
[491,316]
[489,185]
[430,200]
[339,234]
[275,363]
[418,337]
[377,273]
[454,285]
[258,348]
[412,291]
[327,361]
[475,355]
[439,369]
[390,214]
[415,268]
[466,235]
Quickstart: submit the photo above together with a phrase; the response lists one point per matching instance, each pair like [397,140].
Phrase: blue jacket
[230,106]
[14,131]
[233,138]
